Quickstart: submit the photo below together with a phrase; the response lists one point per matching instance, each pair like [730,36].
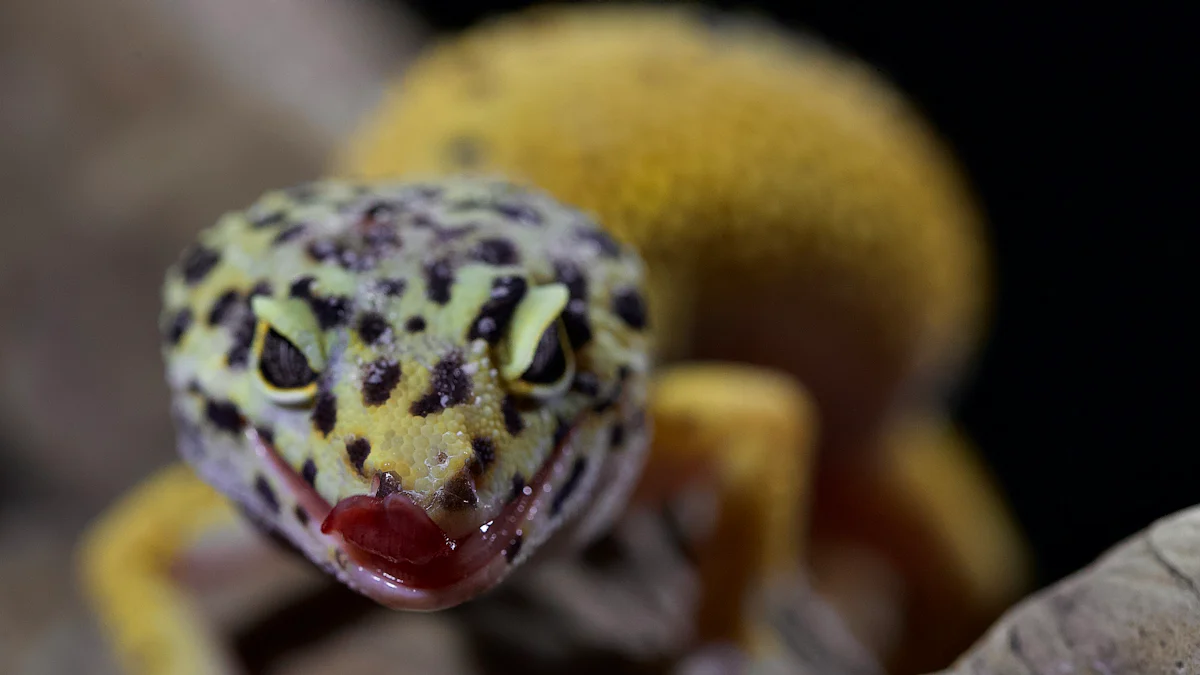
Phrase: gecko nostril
[384,483]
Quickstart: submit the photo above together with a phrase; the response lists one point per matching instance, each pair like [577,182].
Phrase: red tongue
[392,527]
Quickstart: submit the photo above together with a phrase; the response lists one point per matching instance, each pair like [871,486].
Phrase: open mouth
[397,555]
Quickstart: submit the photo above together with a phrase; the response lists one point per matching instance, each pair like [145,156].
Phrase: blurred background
[126,126]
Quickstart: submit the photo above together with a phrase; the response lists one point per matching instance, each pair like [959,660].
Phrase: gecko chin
[387,548]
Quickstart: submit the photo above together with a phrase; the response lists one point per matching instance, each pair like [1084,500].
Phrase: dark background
[1069,124]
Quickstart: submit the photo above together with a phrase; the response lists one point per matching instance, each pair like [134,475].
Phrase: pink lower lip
[396,538]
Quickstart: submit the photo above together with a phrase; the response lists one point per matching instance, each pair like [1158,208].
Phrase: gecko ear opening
[536,357]
[288,353]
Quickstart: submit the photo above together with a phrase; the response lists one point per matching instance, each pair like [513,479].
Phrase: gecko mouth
[389,549]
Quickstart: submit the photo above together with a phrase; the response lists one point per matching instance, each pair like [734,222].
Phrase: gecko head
[416,384]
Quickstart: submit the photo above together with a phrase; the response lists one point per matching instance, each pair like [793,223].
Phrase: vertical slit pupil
[549,362]
[282,364]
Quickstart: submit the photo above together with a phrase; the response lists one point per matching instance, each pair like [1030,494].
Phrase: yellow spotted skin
[403,305]
[666,188]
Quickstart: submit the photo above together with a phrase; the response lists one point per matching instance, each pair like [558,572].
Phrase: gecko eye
[536,357]
[288,353]
[549,359]
[283,370]
[551,368]
[282,364]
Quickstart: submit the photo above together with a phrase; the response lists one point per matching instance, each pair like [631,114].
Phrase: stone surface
[1135,610]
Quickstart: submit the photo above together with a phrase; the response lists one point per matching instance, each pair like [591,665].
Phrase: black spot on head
[568,274]
[458,493]
[324,414]
[282,364]
[243,337]
[495,251]
[221,306]
[268,219]
[266,493]
[301,515]
[448,386]
[178,325]
[586,383]
[616,438]
[379,236]
[611,399]
[197,262]
[371,327]
[357,261]
[379,378]
[422,220]
[609,248]
[514,547]
[301,288]
[464,151]
[261,288]
[574,316]
[309,472]
[439,276]
[287,234]
[393,288]
[512,417]
[518,487]
[428,191]
[568,486]
[388,483]
[225,416]
[522,213]
[445,234]
[495,315]
[485,453]
[322,250]
[561,430]
[357,449]
[331,312]
[415,324]
[380,211]
[629,306]
[267,434]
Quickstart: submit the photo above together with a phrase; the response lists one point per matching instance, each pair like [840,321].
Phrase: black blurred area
[1068,122]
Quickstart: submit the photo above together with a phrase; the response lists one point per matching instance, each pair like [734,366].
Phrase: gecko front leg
[127,563]
[748,432]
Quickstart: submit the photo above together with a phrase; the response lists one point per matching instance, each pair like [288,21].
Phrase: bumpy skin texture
[344,344]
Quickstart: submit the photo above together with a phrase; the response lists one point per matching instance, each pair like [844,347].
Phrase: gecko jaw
[422,568]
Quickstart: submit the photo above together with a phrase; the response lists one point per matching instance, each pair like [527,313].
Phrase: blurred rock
[128,126]
[125,127]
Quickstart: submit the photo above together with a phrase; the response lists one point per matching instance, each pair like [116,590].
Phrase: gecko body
[561,232]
